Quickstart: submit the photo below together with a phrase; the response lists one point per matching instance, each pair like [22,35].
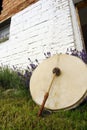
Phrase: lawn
[19,112]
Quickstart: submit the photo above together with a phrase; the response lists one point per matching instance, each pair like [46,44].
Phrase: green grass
[19,112]
[10,79]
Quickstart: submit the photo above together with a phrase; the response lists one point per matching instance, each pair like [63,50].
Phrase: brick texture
[10,7]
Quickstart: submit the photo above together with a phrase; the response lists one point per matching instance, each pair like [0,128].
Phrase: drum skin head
[68,89]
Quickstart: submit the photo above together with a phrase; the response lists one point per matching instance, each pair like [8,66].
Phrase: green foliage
[9,78]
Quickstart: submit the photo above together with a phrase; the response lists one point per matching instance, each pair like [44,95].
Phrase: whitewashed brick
[45,26]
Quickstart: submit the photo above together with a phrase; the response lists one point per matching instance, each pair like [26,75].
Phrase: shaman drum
[67,90]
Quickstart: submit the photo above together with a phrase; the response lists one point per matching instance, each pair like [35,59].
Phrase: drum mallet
[56,72]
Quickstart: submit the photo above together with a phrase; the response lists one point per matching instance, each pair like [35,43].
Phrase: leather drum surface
[67,90]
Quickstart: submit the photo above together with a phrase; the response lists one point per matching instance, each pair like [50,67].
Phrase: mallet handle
[43,103]
[56,72]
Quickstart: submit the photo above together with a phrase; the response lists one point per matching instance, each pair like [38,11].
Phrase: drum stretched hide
[67,90]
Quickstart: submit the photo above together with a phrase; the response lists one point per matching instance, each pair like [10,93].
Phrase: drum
[67,90]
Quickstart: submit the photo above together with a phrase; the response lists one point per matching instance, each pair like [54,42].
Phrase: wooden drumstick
[56,72]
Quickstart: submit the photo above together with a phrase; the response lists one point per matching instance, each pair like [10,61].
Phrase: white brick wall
[42,27]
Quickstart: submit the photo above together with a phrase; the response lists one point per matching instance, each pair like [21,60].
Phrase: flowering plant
[80,54]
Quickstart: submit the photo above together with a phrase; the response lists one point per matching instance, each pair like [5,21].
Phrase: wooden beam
[82,4]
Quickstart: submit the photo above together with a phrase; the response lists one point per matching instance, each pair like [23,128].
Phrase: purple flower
[81,54]
[49,54]
[37,61]
[33,66]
